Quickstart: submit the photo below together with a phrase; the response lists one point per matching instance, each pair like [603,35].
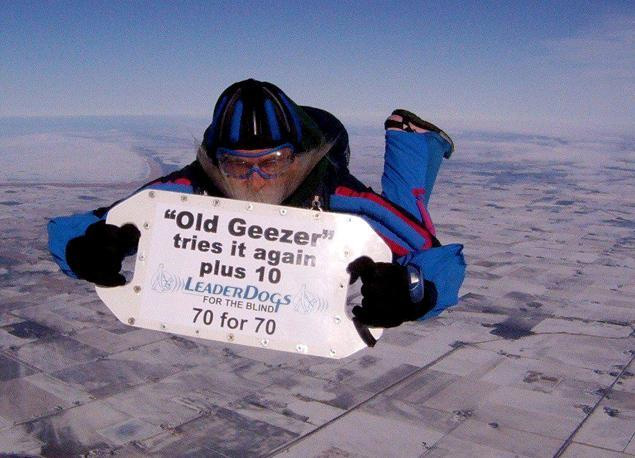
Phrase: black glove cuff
[429,301]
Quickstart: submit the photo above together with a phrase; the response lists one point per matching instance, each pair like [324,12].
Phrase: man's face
[261,175]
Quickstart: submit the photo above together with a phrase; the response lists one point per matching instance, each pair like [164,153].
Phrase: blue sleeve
[62,230]
[444,266]
[381,218]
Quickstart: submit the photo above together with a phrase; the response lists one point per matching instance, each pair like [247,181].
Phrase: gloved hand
[386,299]
[97,255]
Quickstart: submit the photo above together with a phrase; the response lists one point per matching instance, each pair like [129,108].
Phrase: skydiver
[262,147]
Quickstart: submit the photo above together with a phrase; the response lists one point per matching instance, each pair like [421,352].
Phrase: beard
[277,189]
[269,194]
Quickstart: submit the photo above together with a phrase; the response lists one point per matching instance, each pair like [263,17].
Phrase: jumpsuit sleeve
[411,242]
[444,266]
[63,229]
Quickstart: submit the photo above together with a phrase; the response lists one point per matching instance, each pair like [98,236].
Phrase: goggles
[268,164]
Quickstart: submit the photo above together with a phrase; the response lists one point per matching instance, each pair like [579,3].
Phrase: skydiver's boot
[409,122]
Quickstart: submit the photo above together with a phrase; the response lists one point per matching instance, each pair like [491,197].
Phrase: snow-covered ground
[536,360]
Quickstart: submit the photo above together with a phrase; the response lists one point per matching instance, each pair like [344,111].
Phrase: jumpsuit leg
[411,164]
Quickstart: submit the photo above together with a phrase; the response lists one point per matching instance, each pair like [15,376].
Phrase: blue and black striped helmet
[254,114]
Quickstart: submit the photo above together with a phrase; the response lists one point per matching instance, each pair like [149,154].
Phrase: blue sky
[517,66]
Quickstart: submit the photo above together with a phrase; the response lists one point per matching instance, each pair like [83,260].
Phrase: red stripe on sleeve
[344,191]
[395,247]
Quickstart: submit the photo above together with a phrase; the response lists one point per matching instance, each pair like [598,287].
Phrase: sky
[508,66]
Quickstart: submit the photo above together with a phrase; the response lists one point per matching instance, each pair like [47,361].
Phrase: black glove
[97,255]
[386,299]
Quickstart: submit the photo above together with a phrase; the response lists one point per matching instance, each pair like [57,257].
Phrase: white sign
[242,272]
